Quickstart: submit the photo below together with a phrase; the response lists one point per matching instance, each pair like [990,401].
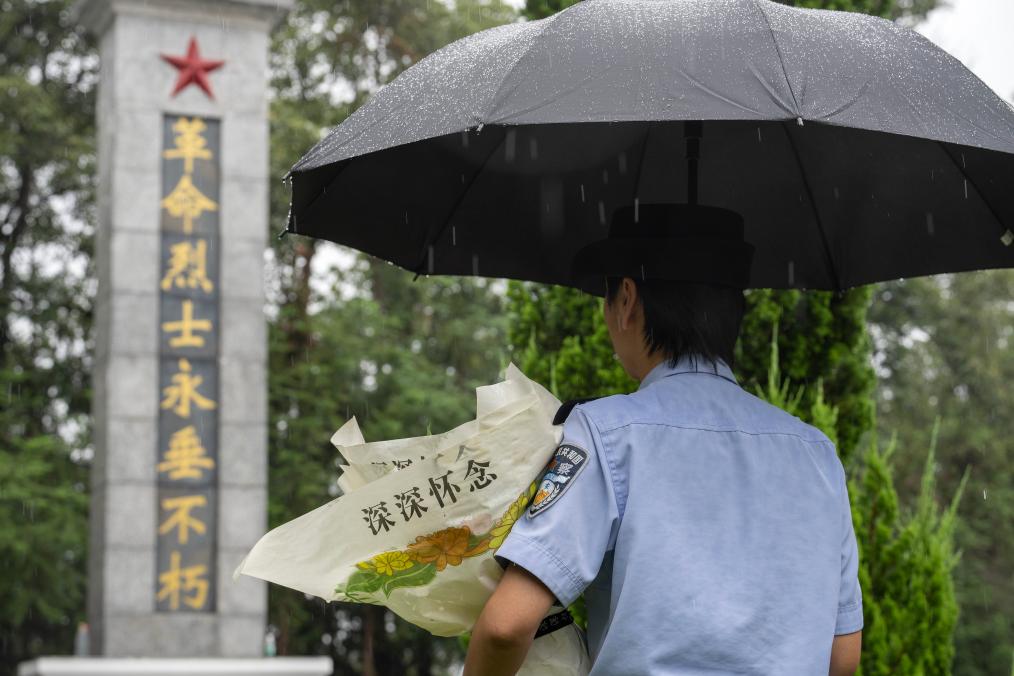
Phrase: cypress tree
[906,562]
[559,338]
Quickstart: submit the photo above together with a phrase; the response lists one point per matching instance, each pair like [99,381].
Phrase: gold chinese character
[186,325]
[185,458]
[181,518]
[183,390]
[187,202]
[190,145]
[177,581]
[188,267]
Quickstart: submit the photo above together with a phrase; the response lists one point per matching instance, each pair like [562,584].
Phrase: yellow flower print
[388,562]
[503,526]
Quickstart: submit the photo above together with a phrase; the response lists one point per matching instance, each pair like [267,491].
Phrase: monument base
[205,666]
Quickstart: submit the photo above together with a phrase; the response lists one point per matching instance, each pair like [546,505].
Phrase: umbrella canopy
[854,149]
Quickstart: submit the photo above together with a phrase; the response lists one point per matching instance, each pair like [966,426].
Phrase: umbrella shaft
[692,133]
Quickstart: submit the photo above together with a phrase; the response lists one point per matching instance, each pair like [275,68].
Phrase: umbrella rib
[968,178]
[781,59]
[816,212]
[432,239]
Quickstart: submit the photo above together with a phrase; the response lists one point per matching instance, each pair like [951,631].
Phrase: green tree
[906,557]
[402,356]
[46,173]
[906,565]
[943,349]
[559,338]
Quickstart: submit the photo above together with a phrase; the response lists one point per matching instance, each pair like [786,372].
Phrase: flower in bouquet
[388,562]
[499,531]
[448,546]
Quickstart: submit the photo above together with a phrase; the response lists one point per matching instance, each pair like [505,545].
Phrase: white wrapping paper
[421,518]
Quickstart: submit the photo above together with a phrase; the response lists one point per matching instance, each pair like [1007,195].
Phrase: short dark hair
[687,319]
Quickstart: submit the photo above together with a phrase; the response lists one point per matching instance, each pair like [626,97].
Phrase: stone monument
[179,482]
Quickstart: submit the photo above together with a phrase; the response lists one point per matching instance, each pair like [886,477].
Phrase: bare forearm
[488,656]
[507,625]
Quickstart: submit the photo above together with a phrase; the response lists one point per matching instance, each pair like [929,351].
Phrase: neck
[644,365]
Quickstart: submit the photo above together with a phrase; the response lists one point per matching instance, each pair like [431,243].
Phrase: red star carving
[193,69]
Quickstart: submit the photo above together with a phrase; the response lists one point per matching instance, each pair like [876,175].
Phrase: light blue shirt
[709,531]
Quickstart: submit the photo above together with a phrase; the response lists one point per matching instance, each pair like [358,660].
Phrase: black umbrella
[854,149]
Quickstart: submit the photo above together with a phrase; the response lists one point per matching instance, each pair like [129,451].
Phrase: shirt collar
[688,364]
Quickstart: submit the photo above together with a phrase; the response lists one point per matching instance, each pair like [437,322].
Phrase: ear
[628,300]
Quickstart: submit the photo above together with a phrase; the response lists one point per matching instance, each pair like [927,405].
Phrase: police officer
[709,531]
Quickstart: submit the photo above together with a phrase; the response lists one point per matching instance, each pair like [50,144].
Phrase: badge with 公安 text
[562,470]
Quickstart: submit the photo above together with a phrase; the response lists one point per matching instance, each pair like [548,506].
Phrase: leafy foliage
[559,338]
[943,346]
[906,564]
[823,339]
[399,355]
[402,357]
[906,560]
[46,173]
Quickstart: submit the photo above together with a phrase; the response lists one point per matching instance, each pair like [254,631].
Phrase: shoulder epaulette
[567,407]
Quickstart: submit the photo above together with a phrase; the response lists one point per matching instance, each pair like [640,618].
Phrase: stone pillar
[179,492]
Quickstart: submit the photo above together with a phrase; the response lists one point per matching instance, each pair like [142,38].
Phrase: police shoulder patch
[562,470]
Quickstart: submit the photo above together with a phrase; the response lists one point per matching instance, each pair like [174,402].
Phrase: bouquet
[420,519]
